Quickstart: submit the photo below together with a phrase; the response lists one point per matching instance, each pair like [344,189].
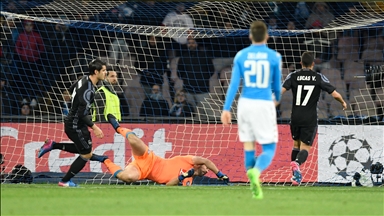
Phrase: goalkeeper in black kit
[77,122]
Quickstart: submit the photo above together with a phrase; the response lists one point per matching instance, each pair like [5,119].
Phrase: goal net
[173,63]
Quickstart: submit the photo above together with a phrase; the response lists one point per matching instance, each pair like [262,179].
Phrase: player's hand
[344,105]
[97,131]
[276,103]
[223,177]
[226,117]
[187,174]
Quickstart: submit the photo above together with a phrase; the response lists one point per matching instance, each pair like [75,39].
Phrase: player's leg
[50,145]
[246,135]
[129,174]
[266,134]
[296,173]
[83,142]
[307,137]
[246,116]
[138,146]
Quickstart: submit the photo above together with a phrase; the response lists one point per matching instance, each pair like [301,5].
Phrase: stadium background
[73,33]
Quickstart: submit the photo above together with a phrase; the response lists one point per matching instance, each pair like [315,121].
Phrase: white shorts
[256,121]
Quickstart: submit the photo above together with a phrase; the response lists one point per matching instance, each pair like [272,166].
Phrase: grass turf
[48,199]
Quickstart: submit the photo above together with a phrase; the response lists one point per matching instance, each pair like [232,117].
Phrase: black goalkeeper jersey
[306,87]
[83,94]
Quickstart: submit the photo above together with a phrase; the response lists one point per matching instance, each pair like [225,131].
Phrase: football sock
[99,158]
[68,147]
[294,153]
[124,132]
[265,158]
[302,157]
[75,168]
[112,168]
[249,159]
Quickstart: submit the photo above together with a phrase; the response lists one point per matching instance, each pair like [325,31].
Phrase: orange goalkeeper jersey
[165,170]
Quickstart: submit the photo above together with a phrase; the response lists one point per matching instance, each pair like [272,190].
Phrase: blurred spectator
[61,48]
[272,23]
[154,104]
[195,68]
[156,93]
[151,63]
[118,50]
[12,7]
[320,16]
[8,99]
[26,109]
[291,25]
[301,11]
[30,47]
[178,19]
[181,107]
[7,49]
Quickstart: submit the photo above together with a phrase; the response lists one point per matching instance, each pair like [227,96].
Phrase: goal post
[47,47]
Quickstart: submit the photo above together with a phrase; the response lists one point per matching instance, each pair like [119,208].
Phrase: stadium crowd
[179,76]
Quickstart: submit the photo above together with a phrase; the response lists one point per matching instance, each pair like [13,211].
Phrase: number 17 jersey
[306,88]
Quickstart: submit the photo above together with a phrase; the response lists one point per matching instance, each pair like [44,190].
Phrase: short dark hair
[258,31]
[307,59]
[96,64]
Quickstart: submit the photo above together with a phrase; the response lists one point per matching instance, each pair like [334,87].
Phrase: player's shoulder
[322,77]
[294,73]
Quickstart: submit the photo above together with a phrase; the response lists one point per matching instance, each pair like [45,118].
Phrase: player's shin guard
[265,158]
[75,168]
[302,156]
[112,168]
[125,132]
[249,159]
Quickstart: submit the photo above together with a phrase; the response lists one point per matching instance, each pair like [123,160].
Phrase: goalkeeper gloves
[187,174]
[223,177]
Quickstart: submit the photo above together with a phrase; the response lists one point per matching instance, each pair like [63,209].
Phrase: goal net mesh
[174,66]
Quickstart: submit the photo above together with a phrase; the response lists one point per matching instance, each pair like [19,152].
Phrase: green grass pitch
[45,199]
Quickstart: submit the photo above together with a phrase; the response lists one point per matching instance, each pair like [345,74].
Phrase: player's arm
[326,86]
[339,98]
[286,84]
[196,160]
[100,106]
[277,78]
[173,182]
[85,99]
[231,93]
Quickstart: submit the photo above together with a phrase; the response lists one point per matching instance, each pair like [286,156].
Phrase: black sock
[301,157]
[68,147]
[99,158]
[294,153]
[75,168]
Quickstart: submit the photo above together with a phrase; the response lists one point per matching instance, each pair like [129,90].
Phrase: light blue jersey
[260,69]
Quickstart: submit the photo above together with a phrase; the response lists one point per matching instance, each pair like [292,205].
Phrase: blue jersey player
[260,69]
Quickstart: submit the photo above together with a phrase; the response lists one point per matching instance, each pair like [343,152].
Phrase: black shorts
[81,137]
[304,134]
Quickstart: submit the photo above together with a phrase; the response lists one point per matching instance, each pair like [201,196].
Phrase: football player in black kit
[306,86]
[77,122]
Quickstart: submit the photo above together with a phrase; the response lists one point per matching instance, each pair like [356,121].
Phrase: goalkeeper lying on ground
[147,165]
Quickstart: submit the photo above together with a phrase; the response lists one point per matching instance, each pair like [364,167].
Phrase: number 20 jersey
[306,88]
